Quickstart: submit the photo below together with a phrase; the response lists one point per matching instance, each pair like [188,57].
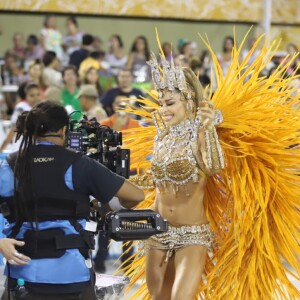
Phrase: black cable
[74,112]
[8,277]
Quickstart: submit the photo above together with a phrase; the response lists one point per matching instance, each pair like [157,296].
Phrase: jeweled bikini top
[176,158]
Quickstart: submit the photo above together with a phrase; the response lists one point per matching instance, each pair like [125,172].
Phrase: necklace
[173,160]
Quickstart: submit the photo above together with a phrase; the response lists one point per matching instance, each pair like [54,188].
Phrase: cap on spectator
[181,42]
[53,93]
[88,90]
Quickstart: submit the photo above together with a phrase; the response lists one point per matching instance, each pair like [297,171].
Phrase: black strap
[70,241]
[69,208]
[87,236]
[5,208]
[50,289]
[48,209]
[50,243]
[15,230]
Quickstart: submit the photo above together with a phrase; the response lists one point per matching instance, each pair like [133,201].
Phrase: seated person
[120,120]
[88,96]
[29,94]
[124,88]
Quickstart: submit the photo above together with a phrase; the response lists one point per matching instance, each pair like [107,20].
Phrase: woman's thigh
[189,266]
[156,269]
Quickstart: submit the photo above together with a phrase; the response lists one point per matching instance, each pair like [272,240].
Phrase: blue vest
[71,266]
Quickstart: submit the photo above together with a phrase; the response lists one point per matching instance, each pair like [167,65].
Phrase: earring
[154,116]
[158,122]
[161,119]
[189,111]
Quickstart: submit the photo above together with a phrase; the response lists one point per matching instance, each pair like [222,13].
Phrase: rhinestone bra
[174,158]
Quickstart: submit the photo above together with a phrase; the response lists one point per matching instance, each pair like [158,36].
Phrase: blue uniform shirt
[89,177]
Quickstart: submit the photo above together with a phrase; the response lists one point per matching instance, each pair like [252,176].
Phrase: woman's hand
[207,114]
[7,248]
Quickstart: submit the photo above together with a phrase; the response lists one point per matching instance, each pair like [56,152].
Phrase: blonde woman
[223,185]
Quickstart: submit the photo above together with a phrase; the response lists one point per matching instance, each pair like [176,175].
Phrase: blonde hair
[194,86]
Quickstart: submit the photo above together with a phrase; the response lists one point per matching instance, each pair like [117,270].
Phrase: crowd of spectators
[75,70]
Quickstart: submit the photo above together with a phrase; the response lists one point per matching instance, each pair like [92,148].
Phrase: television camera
[104,145]
[100,143]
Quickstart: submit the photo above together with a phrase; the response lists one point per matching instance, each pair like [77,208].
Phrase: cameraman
[47,206]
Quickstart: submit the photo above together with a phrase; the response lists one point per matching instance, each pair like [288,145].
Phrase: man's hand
[7,248]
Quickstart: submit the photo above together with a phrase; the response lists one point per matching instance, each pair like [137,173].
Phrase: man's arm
[130,195]
[93,178]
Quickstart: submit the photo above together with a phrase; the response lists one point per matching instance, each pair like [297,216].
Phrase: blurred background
[175,19]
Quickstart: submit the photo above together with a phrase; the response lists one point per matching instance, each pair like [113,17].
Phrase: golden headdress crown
[167,76]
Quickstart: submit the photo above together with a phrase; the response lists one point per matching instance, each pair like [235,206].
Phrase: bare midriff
[183,206]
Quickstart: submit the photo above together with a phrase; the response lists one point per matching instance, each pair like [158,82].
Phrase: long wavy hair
[146,50]
[194,86]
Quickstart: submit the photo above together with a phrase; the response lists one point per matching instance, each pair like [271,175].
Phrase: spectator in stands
[11,76]
[92,61]
[120,120]
[18,47]
[33,51]
[73,39]
[70,92]
[124,88]
[81,54]
[92,77]
[50,37]
[116,57]
[180,44]
[199,71]
[292,49]
[137,62]
[96,61]
[89,103]
[11,73]
[35,74]
[51,75]
[167,50]
[98,44]
[52,93]
[29,94]
[226,56]
[206,61]
[186,56]
[246,51]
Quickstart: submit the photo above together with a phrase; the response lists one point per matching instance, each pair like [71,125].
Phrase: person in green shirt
[70,92]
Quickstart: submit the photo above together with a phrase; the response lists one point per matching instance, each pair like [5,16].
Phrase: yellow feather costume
[253,203]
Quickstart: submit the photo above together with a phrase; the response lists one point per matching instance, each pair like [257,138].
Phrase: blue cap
[20,282]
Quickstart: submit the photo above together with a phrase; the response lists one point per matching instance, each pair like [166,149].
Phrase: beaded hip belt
[179,237]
